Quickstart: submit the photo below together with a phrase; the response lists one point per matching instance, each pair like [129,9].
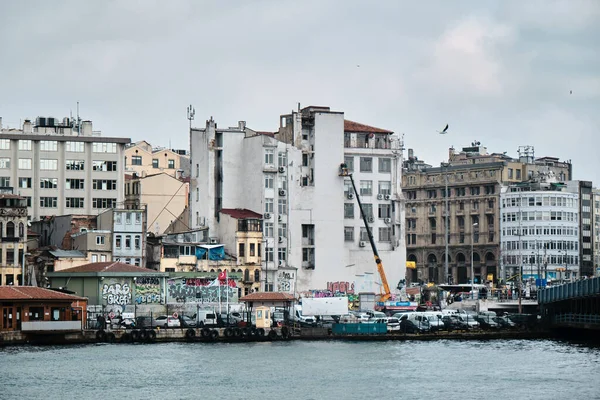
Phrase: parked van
[301,318]
[435,320]
[206,318]
[418,318]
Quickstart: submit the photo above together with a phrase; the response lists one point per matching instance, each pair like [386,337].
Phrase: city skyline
[503,74]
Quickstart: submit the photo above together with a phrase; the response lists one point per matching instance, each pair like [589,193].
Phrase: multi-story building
[13,232]
[596,231]
[62,167]
[469,183]
[310,225]
[143,159]
[95,244]
[164,195]
[128,227]
[539,223]
[586,237]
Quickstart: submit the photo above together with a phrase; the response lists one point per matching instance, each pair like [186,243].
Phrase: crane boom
[385,292]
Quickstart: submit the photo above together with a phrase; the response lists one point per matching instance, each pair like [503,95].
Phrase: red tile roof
[10,196]
[241,213]
[108,267]
[268,296]
[34,293]
[351,126]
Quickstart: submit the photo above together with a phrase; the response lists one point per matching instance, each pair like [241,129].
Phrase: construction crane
[385,293]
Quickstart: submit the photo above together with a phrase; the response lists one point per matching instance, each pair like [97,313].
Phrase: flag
[214,283]
[222,278]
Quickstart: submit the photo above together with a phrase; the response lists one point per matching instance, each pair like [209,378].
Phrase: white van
[435,320]
[301,318]
[206,318]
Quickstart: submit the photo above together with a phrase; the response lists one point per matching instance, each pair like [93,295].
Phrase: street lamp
[447,212]
[472,256]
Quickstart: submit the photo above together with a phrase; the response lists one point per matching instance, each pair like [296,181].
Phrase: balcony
[475,210]
[10,239]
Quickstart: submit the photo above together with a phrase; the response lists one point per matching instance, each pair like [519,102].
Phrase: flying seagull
[571,92]
[443,132]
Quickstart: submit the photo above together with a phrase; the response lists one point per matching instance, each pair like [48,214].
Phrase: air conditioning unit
[282,169]
[281,192]
[350,195]
[388,196]
[379,197]
[280,239]
[267,216]
[214,241]
[362,244]
[281,263]
[371,220]
[279,218]
[387,220]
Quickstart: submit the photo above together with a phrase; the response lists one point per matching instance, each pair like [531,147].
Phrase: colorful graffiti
[199,290]
[341,287]
[286,281]
[116,292]
[147,290]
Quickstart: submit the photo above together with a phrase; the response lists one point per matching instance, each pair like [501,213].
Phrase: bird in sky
[444,131]
[570,92]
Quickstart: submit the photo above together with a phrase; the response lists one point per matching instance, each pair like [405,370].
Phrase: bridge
[574,305]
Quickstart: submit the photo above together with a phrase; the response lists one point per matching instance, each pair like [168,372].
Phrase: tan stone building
[473,178]
[164,195]
[143,159]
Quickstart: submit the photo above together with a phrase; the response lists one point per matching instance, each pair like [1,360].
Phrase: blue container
[359,329]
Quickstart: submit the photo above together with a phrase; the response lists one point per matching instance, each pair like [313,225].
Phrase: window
[518,172]
[282,206]
[99,240]
[75,184]
[24,163]
[349,234]
[75,165]
[368,210]
[109,166]
[349,210]
[104,184]
[136,160]
[25,145]
[74,202]
[138,241]
[510,173]
[48,183]
[366,164]
[4,182]
[269,156]
[268,181]
[48,165]
[128,241]
[48,145]
[5,163]
[94,258]
[128,218]
[385,164]
[241,250]
[305,159]
[252,250]
[268,229]
[268,205]
[75,147]
[282,230]
[103,203]
[48,202]
[349,161]
[102,257]
[118,241]
[269,253]
[25,183]
[385,187]
[138,218]
[155,165]
[282,159]
[171,164]
[104,147]
[385,210]
[366,188]
[282,254]
[364,236]
[5,144]
[385,234]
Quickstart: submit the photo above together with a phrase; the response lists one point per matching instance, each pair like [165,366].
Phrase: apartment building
[596,231]
[62,167]
[144,159]
[294,181]
[586,237]
[469,184]
[95,244]
[539,222]
[13,232]
[128,227]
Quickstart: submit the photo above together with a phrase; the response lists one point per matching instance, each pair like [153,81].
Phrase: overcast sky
[499,72]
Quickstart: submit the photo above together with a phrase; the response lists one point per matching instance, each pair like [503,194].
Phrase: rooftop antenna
[78,121]
[191,114]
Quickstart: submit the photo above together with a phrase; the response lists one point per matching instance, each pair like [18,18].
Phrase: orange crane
[385,288]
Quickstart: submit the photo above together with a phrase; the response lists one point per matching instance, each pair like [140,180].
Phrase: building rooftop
[115,267]
[351,126]
[60,253]
[241,213]
[34,293]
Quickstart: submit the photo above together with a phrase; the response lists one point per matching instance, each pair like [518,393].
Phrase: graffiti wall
[341,287]
[116,294]
[148,290]
[286,281]
[200,290]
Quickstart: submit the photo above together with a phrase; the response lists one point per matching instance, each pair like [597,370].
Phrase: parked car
[166,321]
[467,321]
[410,326]
[187,322]
[450,322]
[393,324]
[205,318]
[504,322]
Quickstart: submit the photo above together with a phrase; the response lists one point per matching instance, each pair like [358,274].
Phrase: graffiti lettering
[147,298]
[341,287]
[147,280]
[116,293]
[182,293]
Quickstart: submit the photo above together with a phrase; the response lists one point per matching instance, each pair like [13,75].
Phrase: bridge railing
[582,288]
[569,318]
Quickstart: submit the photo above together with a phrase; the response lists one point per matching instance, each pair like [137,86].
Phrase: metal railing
[569,318]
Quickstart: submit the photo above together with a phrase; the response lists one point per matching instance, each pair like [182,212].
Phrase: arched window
[1,229]
[246,275]
[21,230]
[10,229]
[256,275]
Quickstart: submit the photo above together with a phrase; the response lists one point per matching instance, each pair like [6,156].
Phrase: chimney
[27,127]
[179,174]
[411,153]
[241,125]
[86,128]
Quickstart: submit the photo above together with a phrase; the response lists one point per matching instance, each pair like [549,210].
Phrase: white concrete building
[292,178]
[128,227]
[62,167]
[539,223]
